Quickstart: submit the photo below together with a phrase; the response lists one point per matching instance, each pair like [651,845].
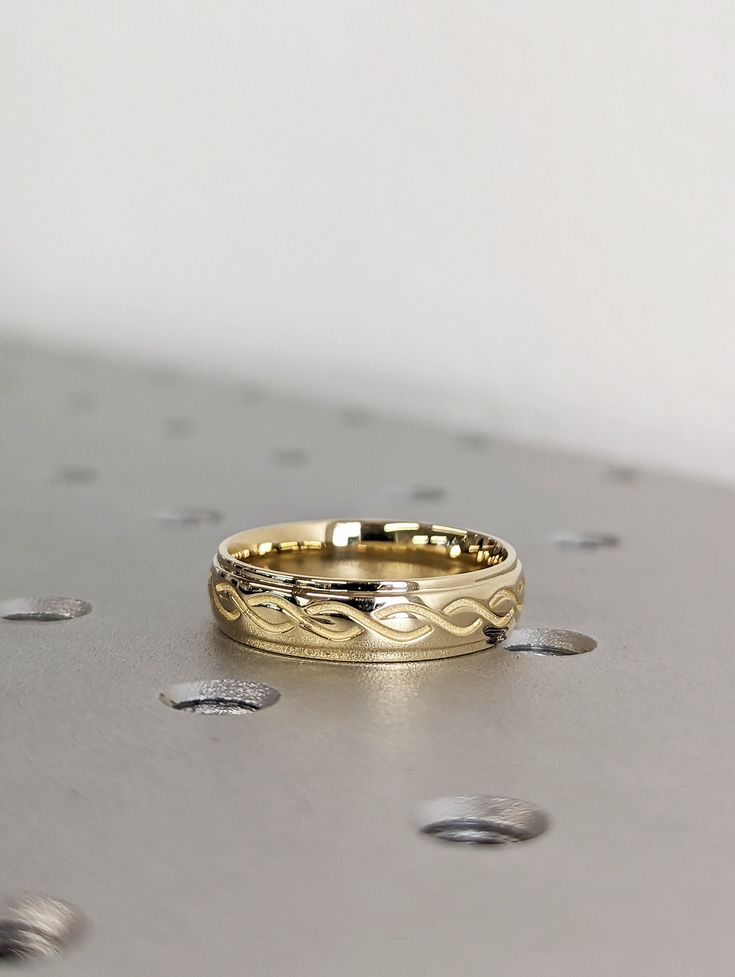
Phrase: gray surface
[284,842]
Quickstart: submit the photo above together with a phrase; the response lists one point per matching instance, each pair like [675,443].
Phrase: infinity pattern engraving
[337,621]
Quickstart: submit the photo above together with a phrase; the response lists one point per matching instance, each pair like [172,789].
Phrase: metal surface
[284,841]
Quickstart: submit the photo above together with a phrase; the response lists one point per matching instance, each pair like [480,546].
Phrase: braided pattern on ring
[337,621]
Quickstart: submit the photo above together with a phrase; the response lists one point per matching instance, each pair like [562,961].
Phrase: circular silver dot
[417,493]
[188,516]
[77,474]
[36,927]
[549,641]
[623,473]
[586,540]
[482,819]
[220,697]
[473,440]
[178,427]
[43,608]
[291,457]
[428,493]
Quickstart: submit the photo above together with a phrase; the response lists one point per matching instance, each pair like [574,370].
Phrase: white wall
[511,215]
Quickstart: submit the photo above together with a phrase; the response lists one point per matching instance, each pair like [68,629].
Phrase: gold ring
[366,590]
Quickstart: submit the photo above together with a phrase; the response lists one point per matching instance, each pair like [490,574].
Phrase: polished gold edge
[482,556]
[469,556]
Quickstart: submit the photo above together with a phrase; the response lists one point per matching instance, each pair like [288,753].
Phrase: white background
[513,216]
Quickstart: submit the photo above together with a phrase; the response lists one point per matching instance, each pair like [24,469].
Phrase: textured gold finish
[313,590]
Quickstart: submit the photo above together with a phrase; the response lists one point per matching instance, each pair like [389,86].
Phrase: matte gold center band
[366,590]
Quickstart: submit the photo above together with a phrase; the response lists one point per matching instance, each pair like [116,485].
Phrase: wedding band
[366,590]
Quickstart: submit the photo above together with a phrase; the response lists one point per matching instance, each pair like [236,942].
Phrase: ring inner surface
[373,551]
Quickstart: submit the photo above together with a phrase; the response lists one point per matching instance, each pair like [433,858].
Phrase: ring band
[366,590]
